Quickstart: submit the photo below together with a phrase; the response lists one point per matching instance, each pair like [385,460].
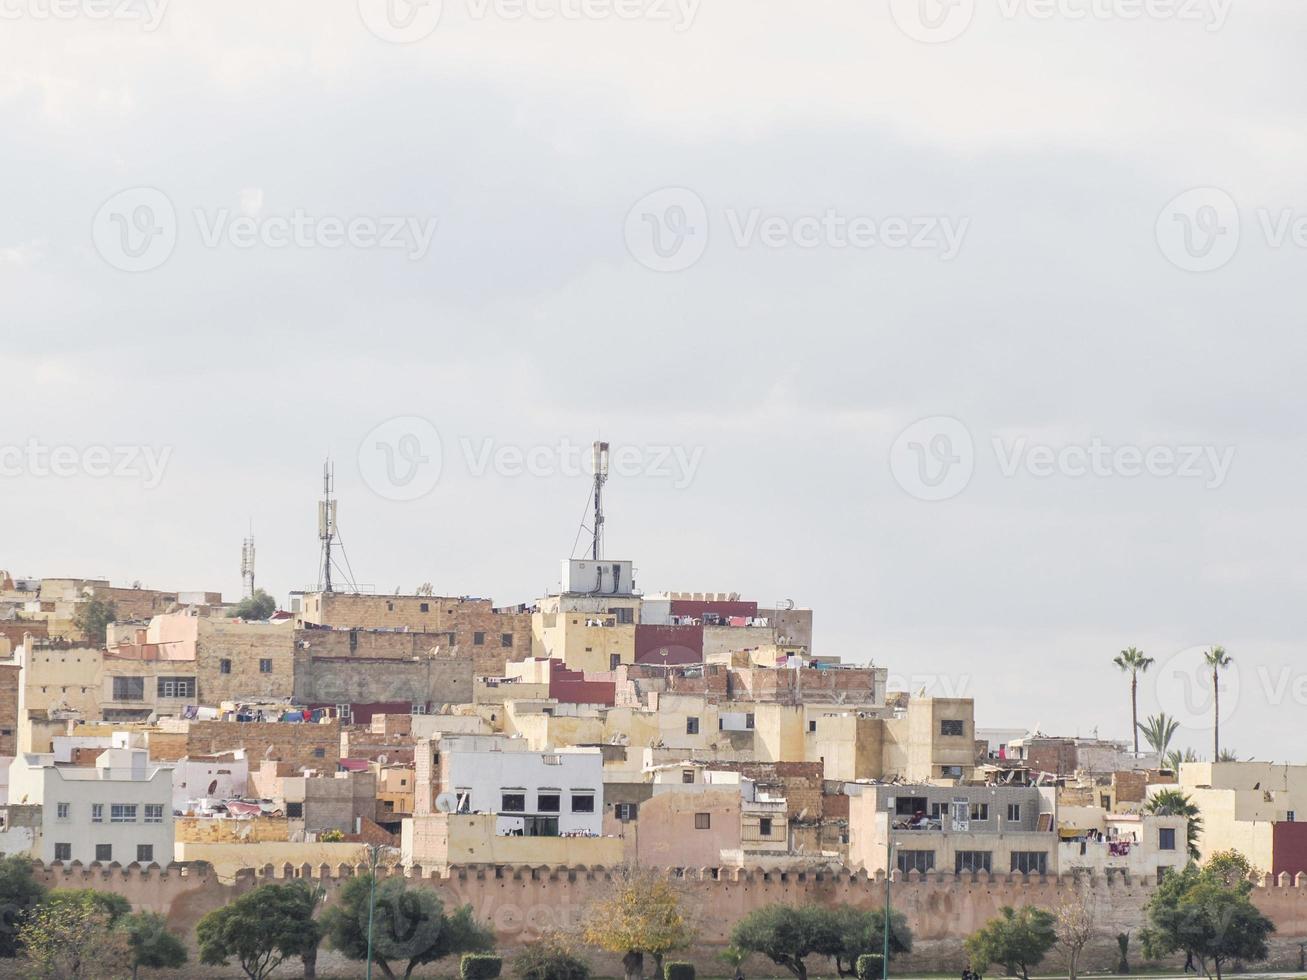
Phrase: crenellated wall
[520,902]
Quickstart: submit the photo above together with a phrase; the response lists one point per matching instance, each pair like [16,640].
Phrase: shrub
[480,966]
[679,971]
[869,966]
[552,957]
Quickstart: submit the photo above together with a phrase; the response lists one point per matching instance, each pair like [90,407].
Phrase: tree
[20,894]
[261,929]
[1208,914]
[255,607]
[1217,659]
[787,935]
[150,943]
[92,619]
[1175,757]
[1158,731]
[72,935]
[1228,755]
[734,957]
[864,932]
[1134,663]
[641,913]
[553,956]
[408,924]
[1176,803]
[1075,926]
[1016,939]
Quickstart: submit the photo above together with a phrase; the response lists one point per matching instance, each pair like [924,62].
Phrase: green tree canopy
[1017,939]
[408,924]
[255,607]
[150,943]
[788,934]
[863,932]
[261,929]
[72,935]
[20,894]
[1176,803]
[1207,912]
[92,619]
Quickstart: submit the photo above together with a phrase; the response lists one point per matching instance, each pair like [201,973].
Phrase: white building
[201,781]
[538,794]
[120,810]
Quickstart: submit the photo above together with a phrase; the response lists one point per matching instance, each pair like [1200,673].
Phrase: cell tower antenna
[329,534]
[247,565]
[599,463]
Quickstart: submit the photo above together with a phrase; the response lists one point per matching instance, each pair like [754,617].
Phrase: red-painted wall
[570,686]
[1288,847]
[668,644]
[697,607]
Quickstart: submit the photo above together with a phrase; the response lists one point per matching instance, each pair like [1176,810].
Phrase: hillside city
[596,780]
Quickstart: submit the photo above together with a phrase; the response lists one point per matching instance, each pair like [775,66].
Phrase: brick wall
[430,681]
[801,783]
[9,680]
[296,744]
[235,660]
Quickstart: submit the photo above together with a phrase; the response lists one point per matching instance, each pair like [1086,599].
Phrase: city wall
[520,902]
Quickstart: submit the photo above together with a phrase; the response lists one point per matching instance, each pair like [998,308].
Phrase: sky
[974,326]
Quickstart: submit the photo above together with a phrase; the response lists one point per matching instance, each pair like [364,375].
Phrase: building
[954,829]
[119,810]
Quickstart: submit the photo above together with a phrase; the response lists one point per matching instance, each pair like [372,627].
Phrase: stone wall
[431,679]
[9,679]
[519,902]
[258,660]
[296,744]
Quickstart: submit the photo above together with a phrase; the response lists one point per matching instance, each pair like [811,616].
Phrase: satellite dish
[446,802]
[383,758]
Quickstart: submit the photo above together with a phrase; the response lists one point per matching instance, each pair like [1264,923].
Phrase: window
[122,813]
[104,852]
[625,616]
[506,640]
[748,720]
[97,813]
[265,666]
[614,661]
[583,803]
[319,753]
[626,812]
[144,853]
[552,760]
[224,666]
[922,861]
[478,639]
[971,861]
[702,821]
[952,727]
[687,775]
[548,802]
[1288,816]
[63,852]
[424,606]
[812,726]
[154,813]
[540,827]
[1166,839]
[342,711]
[129,688]
[764,826]
[909,806]
[61,810]
[176,687]
[419,708]
[1030,862]
[513,803]
[295,811]
[692,726]
[980,811]
[1014,811]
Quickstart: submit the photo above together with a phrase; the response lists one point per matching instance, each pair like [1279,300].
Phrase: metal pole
[372,902]
[889,849]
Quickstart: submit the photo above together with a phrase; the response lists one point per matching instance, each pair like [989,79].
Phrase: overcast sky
[976,328]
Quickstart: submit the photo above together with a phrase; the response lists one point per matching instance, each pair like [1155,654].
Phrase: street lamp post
[374,850]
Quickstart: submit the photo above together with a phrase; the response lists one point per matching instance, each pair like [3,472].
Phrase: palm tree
[1218,660]
[1175,803]
[1158,731]
[1228,755]
[1133,662]
[1175,757]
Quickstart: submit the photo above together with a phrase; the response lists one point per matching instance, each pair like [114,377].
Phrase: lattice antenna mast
[329,536]
[599,463]
[247,565]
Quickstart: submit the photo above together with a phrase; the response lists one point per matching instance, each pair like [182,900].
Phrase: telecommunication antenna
[329,534]
[247,565]
[599,463]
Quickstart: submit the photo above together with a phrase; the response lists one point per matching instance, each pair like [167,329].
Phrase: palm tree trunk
[1134,713]
[1216,716]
